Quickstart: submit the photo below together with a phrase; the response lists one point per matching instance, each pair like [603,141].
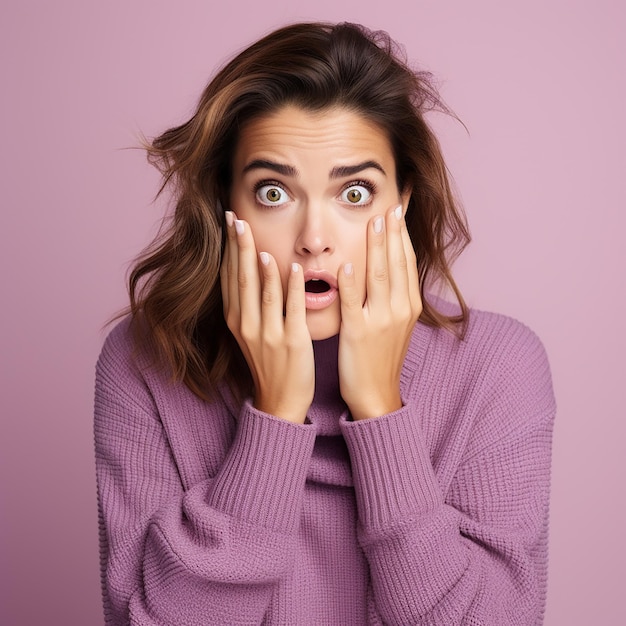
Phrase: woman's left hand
[374,337]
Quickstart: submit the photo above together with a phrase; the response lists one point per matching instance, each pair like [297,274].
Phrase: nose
[315,236]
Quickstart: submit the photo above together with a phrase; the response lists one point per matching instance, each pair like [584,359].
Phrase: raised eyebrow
[343,171]
[265,164]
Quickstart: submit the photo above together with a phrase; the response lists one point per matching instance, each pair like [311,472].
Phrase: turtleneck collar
[328,405]
[331,462]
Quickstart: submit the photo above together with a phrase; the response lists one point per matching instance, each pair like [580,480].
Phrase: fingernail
[398,212]
[347,269]
[239,227]
[378,225]
[265,258]
[294,267]
[229,218]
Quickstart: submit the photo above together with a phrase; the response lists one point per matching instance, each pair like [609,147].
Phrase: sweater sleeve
[474,552]
[211,554]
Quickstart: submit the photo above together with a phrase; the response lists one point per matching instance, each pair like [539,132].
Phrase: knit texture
[212,513]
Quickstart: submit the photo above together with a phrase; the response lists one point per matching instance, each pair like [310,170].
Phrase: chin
[321,325]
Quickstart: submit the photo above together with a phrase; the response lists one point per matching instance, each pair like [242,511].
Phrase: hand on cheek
[277,348]
[374,336]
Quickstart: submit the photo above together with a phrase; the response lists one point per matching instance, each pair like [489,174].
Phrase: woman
[278,439]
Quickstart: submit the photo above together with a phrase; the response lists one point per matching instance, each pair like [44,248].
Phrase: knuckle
[271,339]
[403,310]
[229,271]
[247,333]
[269,297]
[352,300]
[242,280]
[293,342]
[380,274]
[292,307]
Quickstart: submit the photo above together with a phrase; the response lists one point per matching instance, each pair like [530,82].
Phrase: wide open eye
[356,194]
[271,195]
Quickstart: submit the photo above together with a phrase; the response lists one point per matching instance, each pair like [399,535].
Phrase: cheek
[263,230]
[273,239]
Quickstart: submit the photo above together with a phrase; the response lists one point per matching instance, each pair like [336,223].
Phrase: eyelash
[370,186]
[263,183]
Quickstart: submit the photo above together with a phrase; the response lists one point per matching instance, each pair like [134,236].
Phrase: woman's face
[308,183]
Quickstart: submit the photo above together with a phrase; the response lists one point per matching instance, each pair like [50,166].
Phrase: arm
[476,553]
[211,554]
[214,553]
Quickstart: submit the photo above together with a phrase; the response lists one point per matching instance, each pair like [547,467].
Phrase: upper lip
[324,275]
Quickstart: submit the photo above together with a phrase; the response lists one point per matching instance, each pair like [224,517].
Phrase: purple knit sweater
[434,514]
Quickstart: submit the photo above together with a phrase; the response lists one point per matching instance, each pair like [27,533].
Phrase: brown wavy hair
[174,286]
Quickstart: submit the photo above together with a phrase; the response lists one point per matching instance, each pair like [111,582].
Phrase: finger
[295,305]
[349,297]
[396,259]
[248,281]
[377,266]
[228,269]
[412,271]
[271,297]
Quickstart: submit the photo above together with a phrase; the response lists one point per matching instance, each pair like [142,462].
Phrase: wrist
[285,411]
[369,408]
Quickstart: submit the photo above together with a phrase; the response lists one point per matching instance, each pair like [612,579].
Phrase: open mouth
[316,285]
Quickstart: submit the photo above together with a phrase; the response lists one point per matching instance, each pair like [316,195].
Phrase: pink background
[541,87]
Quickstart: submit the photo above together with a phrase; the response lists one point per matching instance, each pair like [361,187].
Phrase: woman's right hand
[277,347]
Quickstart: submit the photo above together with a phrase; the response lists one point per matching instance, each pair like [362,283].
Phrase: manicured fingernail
[229,218]
[294,267]
[378,225]
[347,269]
[265,258]
[239,227]
[398,212]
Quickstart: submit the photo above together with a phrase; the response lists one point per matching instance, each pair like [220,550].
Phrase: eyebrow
[350,170]
[264,164]
[341,171]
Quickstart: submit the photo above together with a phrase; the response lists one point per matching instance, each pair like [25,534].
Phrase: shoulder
[128,370]
[122,366]
[119,352]
[492,343]
[130,385]
[119,340]
[492,385]
[511,354]
[498,372]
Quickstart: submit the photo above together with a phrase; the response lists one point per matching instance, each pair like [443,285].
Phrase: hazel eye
[356,194]
[271,195]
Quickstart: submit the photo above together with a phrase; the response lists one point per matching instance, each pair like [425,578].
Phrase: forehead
[294,134]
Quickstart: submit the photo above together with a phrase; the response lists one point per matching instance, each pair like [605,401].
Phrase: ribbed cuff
[262,478]
[393,475]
